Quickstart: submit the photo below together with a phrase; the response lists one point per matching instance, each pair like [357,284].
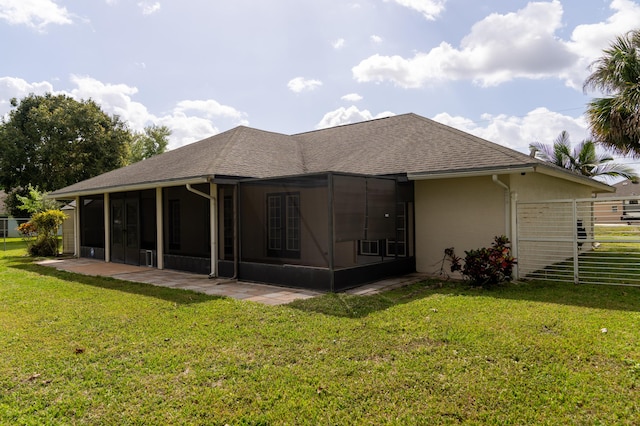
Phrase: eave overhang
[67,195]
[532,168]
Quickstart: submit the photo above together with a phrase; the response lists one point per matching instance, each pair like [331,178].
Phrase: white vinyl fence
[583,241]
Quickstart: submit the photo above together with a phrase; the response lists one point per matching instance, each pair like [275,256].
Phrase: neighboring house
[624,208]
[327,209]
[8,224]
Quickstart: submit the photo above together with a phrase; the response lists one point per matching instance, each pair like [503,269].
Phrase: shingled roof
[402,144]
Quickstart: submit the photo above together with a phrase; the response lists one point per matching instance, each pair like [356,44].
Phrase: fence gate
[582,241]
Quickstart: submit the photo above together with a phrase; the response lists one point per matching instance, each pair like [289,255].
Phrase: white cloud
[347,116]
[503,47]
[34,13]
[376,39]
[186,129]
[149,8]
[189,120]
[211,109]
[300,84]
[538,125]
[430,9]
[114,99]
[13,87]
[338,44]
[499,48]
[352,97]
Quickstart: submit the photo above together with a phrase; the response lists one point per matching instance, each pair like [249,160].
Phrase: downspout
[507,204]
[509,218]
[213,226]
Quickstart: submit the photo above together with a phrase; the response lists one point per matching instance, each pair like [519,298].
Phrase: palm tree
[582,159]
[615,119]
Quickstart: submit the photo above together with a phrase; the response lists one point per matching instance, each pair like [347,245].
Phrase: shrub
[485,266]
[45,225]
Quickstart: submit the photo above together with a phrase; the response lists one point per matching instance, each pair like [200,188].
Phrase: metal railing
[582,241]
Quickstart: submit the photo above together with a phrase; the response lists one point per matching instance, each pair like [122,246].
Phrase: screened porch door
[125,234]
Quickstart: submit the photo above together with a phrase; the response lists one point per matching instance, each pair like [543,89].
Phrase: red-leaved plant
[485,266]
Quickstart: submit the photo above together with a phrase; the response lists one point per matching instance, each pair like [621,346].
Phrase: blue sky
[510,71]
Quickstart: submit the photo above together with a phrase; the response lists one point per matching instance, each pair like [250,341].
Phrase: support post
[213,188]
[76,229]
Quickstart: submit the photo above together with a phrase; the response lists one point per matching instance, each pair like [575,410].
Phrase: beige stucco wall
[467,213]
[464,213]
[537,187]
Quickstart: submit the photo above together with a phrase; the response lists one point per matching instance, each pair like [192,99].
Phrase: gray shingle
[405,143]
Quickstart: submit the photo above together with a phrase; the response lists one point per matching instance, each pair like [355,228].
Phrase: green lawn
[83,350]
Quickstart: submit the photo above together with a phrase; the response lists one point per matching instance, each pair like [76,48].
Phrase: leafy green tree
[152,141]
[582,159]
[35,201]
[52,141]
[615,118]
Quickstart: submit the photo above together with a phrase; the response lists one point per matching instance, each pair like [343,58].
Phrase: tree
[152,141]
[582,159]
[615,119]
[36,201]
[41,232]
[52,141]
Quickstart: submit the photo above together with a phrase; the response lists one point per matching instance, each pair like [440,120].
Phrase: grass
[87,350]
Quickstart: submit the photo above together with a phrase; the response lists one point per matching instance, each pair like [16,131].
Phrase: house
[8,224]
[621,206]
[327,209]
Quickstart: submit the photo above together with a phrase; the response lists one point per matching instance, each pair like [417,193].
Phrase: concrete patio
[261,293]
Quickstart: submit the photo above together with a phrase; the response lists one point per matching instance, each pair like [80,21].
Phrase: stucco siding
[539,187]
[463,213]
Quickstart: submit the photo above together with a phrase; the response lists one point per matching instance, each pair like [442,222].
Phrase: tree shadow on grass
[179,296]
[589,296]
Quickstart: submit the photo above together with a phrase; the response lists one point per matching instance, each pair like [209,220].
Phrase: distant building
[623,207]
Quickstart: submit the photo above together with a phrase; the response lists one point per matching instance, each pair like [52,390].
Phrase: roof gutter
[539,168]
[59,195]
[469,173]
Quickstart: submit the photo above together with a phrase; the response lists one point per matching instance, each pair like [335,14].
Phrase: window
[283,225]
[400,243]
[369,247]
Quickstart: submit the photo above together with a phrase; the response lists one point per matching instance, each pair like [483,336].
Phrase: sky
[509,71]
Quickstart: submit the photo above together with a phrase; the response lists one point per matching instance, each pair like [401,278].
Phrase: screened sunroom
[324,231]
